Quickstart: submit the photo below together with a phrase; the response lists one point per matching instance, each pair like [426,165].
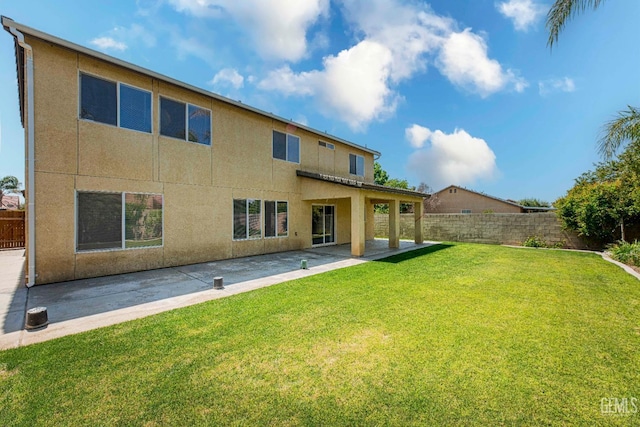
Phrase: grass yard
[456,334]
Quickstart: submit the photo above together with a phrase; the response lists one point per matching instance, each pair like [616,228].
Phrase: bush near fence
[495,228]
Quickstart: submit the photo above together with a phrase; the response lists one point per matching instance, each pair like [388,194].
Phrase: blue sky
[451,92]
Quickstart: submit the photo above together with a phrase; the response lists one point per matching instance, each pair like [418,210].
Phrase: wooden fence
[12,229]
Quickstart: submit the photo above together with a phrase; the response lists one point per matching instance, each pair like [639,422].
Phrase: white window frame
[357,156]
[335,227]
[186,121]
[246,212]
[118,83]
[287,135]
[327,145]
[264,211]
[123,231]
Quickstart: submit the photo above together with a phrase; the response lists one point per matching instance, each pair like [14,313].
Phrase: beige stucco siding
[56,106]
[198,182]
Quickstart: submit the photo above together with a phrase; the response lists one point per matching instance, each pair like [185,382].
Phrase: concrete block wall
[496,228]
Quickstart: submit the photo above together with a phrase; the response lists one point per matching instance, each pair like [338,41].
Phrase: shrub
[539,242]
[535,242]
[628,253]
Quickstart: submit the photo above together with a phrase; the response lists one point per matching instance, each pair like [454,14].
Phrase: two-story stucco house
[131,170]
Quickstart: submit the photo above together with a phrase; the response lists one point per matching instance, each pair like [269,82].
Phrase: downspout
[31,213]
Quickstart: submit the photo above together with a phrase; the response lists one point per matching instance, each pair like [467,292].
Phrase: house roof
[10,202]
[509,202]
[8,22]
[359,184]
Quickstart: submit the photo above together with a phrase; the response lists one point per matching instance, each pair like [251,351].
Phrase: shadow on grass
[395,259]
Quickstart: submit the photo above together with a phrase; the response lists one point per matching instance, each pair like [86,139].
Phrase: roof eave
[19,55]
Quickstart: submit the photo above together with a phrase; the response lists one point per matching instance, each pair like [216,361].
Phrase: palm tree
[563,10]
[8,184]
[626,126]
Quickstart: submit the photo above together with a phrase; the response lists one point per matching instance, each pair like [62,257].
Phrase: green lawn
[455,334]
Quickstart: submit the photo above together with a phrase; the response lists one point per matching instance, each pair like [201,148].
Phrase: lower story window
[246,219]
[118,220]
[276,220]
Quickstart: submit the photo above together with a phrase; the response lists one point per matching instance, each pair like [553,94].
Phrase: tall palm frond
[562,11]
[624,128]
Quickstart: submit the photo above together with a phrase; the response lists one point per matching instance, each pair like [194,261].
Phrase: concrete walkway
[82,305]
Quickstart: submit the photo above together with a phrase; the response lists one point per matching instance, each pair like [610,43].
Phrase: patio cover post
[418,213]
[394,224]
[358,234]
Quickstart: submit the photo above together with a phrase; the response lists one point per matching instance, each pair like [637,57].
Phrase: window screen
[356,165]
[135,108]
[102,216]
[279,145]
[99,221]
[98,100]
[269,219]
[240,219]
[199,125]
[282,219]
[172,118]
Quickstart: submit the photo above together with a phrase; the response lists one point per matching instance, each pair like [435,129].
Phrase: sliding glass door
[323,224]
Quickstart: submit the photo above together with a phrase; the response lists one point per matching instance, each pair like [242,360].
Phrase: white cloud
[396,41]
[352,85]
[278,28]
[463,60]
[194,46]
[456,158]
[134,33]
[108,43]
[228,77]
[565,84]
[417,135]
[120,38]
[523,13]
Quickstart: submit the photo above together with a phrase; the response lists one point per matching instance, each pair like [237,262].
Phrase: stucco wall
[198,182]
[485,228]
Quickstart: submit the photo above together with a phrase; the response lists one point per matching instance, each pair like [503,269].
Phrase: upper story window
[286,147]
[356,165]
[328,145]
[185,121]
[114,103]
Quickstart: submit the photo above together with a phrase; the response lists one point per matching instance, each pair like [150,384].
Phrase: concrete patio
[87,304]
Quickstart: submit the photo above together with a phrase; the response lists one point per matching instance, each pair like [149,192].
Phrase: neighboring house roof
[507,201]
[359,184]
[8,22]
[10,202]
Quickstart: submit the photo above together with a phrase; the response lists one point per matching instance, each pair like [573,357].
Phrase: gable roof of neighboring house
[10,202]
[8,22]
[509,202]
